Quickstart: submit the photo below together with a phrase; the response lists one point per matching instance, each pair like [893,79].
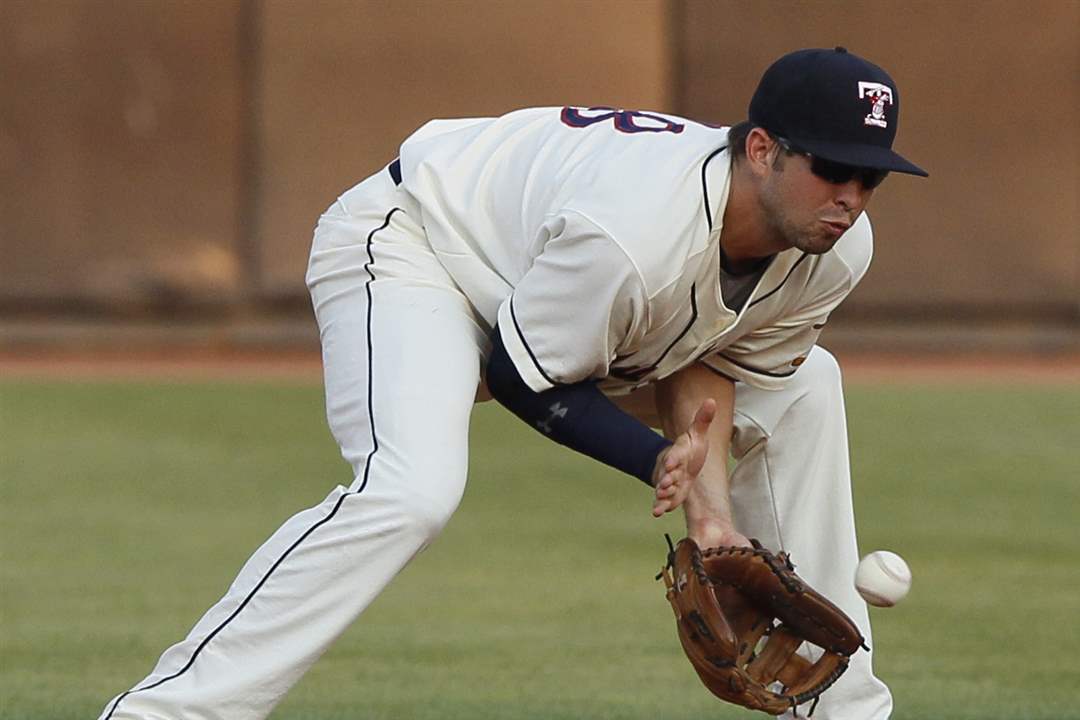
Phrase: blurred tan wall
[120,124]
[345,82]
[164,153]
[179,152]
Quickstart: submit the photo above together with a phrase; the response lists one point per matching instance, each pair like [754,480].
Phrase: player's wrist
[658,465]
[714,532]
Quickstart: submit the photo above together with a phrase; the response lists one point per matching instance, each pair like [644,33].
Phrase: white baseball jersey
[591,236]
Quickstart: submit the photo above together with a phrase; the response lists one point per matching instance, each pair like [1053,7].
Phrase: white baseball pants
[791,489]
[402,351]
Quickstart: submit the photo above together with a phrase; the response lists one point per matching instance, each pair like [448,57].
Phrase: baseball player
[603,270]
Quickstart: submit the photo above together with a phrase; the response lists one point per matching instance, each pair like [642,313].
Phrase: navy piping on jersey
[637,374]
[755,370]
[317,525]
[775,289]
[705,184]
[693,319]
[722,374]
[513,316]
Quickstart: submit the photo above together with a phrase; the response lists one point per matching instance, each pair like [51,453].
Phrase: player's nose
[852,195]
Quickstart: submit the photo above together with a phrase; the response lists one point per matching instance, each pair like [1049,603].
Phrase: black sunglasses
[834,172]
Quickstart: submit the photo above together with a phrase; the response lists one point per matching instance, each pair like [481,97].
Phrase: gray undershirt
[736,289]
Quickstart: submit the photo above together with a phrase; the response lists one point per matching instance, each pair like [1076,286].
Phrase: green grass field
[126,509]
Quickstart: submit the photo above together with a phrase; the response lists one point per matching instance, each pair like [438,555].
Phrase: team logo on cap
[880,95]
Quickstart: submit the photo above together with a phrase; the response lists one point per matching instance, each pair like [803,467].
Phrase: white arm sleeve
[581,301]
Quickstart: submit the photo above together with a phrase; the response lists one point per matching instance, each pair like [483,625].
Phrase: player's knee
[427,513]
[820,376]
[429,492]
[821,364]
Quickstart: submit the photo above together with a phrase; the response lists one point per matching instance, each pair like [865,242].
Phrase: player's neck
[745,238]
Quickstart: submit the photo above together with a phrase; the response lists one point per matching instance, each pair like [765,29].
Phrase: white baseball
[883,578]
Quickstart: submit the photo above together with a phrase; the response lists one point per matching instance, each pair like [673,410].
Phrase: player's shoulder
[855,248]
[840,269]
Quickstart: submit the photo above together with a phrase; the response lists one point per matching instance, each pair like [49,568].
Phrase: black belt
[395,171]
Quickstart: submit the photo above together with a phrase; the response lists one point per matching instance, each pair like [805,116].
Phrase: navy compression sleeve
[578,416]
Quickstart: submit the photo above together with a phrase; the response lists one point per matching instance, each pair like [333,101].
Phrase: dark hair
[736,139]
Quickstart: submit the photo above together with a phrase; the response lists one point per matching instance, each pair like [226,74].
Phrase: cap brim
[866,156]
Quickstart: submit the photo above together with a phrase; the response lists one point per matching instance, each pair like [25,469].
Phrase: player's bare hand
[679,465]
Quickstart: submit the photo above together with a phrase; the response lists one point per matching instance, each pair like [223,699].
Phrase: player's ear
[759,147]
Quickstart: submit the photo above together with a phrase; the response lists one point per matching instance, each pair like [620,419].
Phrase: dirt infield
[306,367]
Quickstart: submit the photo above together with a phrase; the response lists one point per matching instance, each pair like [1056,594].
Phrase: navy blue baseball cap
[835,105]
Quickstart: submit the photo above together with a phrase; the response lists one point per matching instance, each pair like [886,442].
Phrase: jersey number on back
[627,121]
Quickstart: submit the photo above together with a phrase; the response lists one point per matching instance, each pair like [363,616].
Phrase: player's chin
[817,243]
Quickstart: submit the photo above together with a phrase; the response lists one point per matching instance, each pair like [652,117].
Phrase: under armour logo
[557,411]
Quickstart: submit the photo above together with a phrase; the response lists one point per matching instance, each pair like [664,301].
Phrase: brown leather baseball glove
[742,613]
